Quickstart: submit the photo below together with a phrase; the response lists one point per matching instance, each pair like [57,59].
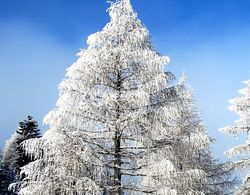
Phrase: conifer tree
[184,164]
[8,165]
[27,129]
[2,177]
[3,187]
[14,156]
[1,169]
[218,178]
[6,178]
[7,175]
[9,152]
[241,106]
[111,107]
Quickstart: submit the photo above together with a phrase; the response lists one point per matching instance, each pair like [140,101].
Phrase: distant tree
[10,152]
[27,129]
[7,176]
[14,156]
[7,164]
[2,177]
[241,105]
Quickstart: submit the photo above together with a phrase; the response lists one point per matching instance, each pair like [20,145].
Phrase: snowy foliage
[27,129]
[14,156]
[241,106]
[7,175]
[184,164]
[10,152]
[117,121]
[104,118]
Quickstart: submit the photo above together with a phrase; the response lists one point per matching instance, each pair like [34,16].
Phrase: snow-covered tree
[2,176]
[27,129]
[6,178]
[241,106]
[184,164]
[14,156]
[7,175]
[1,169]
[10,153]
[219,176]
[111,108]
[4,183]
[197,144]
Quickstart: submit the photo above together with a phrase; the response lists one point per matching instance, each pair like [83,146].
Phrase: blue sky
[209,39]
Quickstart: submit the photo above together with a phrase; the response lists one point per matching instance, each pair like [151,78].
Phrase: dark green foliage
[14,156]
[27,129]
[6,177]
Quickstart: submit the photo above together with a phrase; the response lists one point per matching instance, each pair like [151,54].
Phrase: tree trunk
[117,143]
[117,164]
